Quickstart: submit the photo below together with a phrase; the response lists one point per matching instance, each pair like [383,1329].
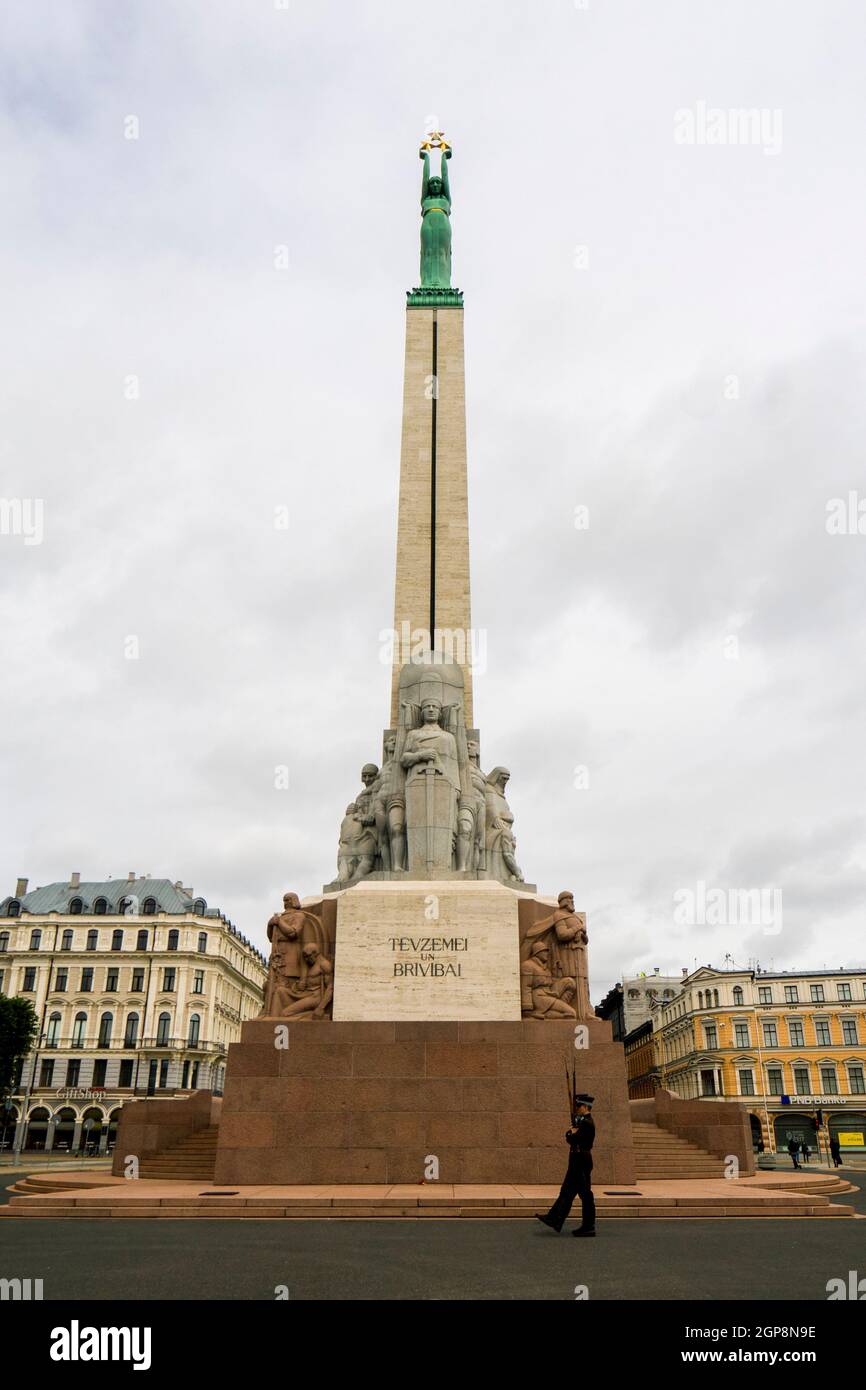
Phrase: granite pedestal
[370,1102]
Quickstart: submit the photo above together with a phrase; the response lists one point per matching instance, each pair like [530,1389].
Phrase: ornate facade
[138,986]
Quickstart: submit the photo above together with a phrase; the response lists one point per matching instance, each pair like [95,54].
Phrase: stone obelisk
[431,603]
[428,1003]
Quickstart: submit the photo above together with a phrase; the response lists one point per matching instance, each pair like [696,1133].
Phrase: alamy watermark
[760,126]
[702,906]
[23,516]
[411,646]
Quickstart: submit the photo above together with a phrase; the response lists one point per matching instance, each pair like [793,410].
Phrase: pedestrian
[804,1150]
[578,1178]
[793,1147]
[836,1152]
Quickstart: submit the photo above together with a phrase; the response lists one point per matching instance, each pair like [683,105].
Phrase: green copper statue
[435,217]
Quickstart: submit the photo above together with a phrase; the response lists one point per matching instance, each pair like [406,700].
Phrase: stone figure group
[300,983]
[458,818]
[554,976]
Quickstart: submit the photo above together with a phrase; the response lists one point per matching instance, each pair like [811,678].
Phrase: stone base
[376,1102]
[445,876]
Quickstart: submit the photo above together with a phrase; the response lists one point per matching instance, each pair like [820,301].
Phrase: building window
[711,1035]
[844,992]
[738,994]
[173,938]
[137,982]
[162,1030]
[125,1075]
[774,1081]
[801,1081]
[741,1035]
[184,1077]
[856,1083]
[822,1032]
[1,981]
[795,1033]
[193,1084]
[770,1037]
[92,940]
[29,980]
[35,939]
[130,1036]
[163,1073]
[4,941]
[816,994]
[198,982]
[105,1025]
[168,975]
[53,1033]
[75,907]
[199,907]
[100,907]
[149,907]
[747,1083]
[66,940]
[61,981]
[792,995]
[829,1084]
[111,979]
[100,1067]
[849,1030]
[765,994]
[46,1072]
[194,1025]
[14,908]
[78,1030]
[202,942]
[141,940]
[73,1073]
[86,980]
[117,939]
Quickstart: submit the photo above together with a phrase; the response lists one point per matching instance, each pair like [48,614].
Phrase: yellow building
[787,1044]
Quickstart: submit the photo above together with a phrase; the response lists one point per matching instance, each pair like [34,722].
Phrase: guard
[578,1178]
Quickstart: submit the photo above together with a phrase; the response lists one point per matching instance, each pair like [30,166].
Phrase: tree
[18,1029]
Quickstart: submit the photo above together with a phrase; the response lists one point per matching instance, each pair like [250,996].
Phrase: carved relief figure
[542,996]
[499,838]
[313,994]
[471,815]
[286,932]
[389,809]
[348,853]
[367,842]
[430,757]
[564,930]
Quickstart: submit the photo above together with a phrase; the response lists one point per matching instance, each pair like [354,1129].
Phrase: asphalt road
[762,1259]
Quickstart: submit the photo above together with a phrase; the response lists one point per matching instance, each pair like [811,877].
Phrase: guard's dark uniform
[578,1178]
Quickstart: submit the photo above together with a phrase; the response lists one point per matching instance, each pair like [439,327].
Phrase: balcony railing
[121,1044]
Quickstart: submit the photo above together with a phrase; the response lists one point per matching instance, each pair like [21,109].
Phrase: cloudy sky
[210,219]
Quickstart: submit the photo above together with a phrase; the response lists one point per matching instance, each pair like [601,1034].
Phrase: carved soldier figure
[499,838]
[566,931]
[430,752]
[284,966]
[471,815]
[542,996]
[367,841]
[313,993]
[389,809]
[348,853]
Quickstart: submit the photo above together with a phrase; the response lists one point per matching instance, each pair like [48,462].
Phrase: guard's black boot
[584,1231]
[546,1221]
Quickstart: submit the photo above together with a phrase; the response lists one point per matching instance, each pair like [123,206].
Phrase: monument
[427,1013]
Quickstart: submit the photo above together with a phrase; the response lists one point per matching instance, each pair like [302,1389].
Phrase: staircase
[660,1156]
[190,1160]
